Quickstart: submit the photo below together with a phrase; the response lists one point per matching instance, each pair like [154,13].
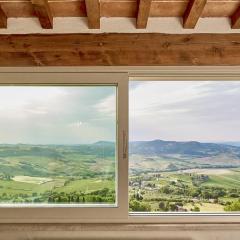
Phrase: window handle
[125,144]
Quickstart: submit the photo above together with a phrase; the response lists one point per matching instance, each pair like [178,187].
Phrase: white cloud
[76,124]
[30,100]
[56,115]
[37,110]
[200,110]
[152,97]
[107,106]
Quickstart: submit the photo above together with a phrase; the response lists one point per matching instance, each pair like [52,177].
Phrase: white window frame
[64,212]
[120,76]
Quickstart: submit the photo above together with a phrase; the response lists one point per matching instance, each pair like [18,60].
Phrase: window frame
[52,213]
[185,217]
[120,76]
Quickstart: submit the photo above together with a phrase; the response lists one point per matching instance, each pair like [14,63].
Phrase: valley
[164,176]
[167,176]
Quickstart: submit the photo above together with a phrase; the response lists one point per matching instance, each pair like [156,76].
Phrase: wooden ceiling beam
[93,13]
[235,19]
[43,12]
[143,13]
[118,50]
[193,12]
[3,18]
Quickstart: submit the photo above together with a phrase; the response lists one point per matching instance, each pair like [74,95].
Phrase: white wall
[120,25]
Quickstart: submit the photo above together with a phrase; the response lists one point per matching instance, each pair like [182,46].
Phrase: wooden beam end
[140,25]
[144,7]
[235,19]
[43,12]
[192,13]
[94,24]
[3,18]
[93,13]
[188,25]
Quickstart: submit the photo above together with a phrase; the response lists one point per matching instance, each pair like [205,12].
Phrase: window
[58,144]
[67,155]
[184,146]
[61,146]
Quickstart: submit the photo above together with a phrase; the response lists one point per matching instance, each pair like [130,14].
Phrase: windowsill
[120,231]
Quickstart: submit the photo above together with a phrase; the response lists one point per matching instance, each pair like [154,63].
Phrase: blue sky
[57,115]
[207,111]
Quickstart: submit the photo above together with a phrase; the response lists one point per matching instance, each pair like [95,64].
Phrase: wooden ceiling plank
[44,13]
[235,19]
[3,18]
[143,13]
[93,13]
[193,13]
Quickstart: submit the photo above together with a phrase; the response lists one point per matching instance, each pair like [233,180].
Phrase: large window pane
[184,146]
[57,144]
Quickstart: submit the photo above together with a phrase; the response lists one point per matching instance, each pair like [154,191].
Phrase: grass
[206,207]
[34,180]
[12,187]
[231,180]
[185,178]
[84,185]
[87,185]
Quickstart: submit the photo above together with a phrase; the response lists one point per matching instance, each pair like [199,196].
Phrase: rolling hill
[159,155]
[86,160]
[191,148]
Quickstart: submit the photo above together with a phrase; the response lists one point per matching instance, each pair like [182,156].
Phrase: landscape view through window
[57,144]
[184,146]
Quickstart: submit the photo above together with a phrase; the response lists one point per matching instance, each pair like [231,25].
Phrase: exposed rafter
[3,18]
[143,13]
[93,13]
[235,19]
[43,12]
[190,10]
[119,8]
[193,13]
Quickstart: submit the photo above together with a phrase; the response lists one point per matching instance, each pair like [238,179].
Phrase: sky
[57,115]
[205,111]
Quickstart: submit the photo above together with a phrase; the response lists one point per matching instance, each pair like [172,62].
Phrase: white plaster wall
[120,25]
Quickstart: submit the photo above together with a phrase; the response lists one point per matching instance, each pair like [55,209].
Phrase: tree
[234,206]
[161,205]
[137,206]
[196,209]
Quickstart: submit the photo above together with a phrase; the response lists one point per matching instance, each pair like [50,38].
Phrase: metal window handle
[125,144]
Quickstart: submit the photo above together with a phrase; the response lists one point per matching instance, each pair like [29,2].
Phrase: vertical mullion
[123,145]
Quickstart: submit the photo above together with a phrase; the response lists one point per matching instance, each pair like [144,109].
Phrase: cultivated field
[57,174]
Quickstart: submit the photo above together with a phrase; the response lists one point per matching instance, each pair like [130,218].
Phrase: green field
[85,174]
[195,190]
[57,174]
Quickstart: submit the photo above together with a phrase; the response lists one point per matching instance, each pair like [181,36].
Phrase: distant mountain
[236,144]
[104,143]
[159,155]
[191,148]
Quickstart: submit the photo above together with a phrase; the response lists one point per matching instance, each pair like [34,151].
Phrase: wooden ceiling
[189,10]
